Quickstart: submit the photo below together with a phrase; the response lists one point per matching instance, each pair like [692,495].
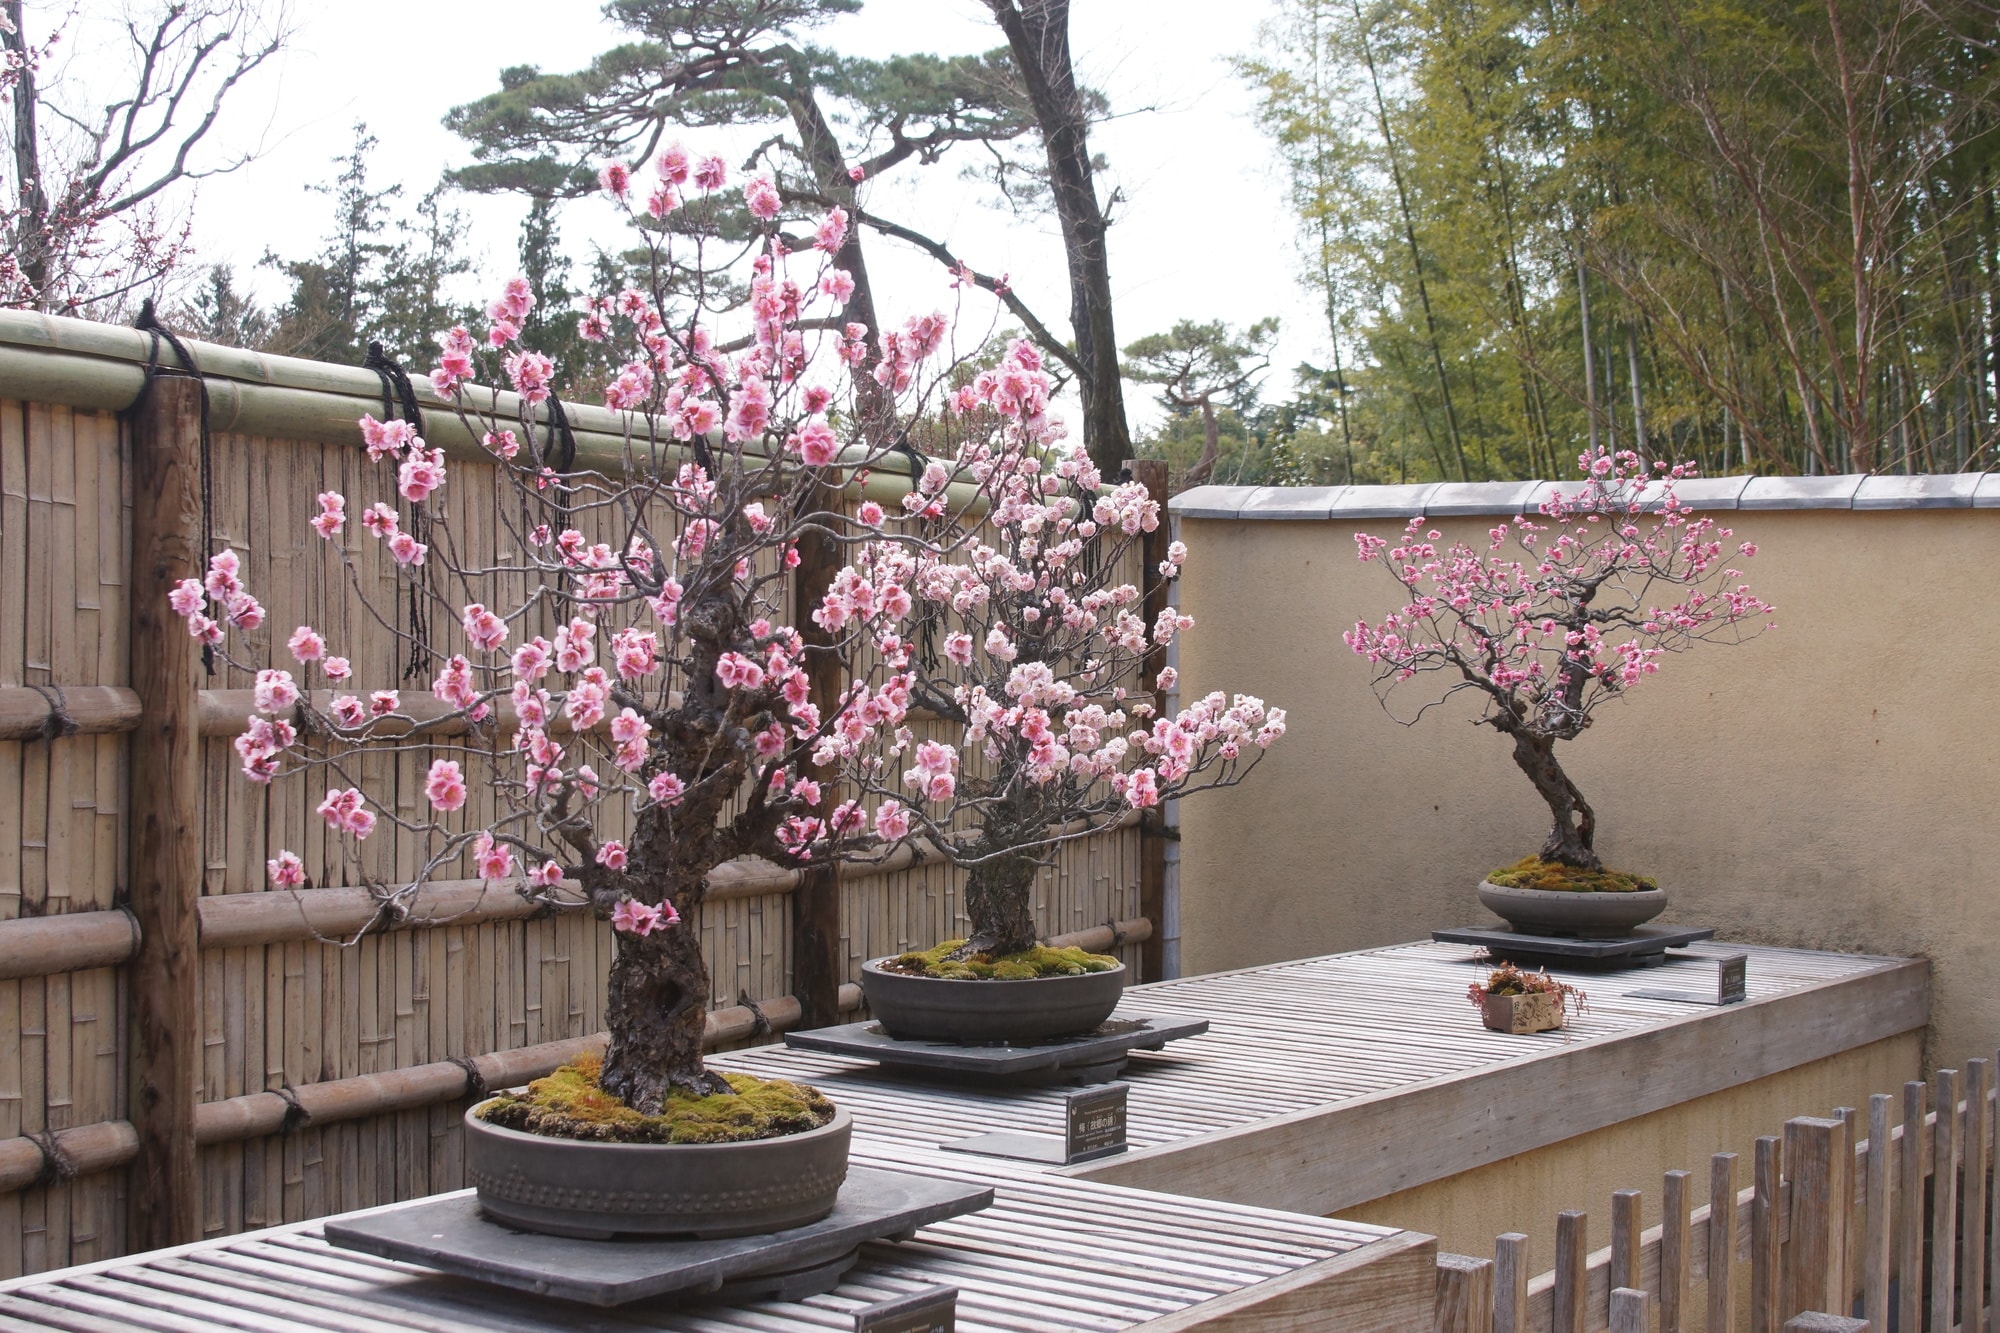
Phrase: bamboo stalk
[111,1144]
[94,710]
[41,946]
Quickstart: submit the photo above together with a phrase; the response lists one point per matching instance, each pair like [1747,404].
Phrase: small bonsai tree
[1027,638]
[1580,618]
[619,705]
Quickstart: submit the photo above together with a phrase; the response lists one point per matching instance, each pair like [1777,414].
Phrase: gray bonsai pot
[1590,916]
[935,1009]
[569,1187]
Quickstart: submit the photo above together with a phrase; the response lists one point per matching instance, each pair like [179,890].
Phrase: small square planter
[1522,1014]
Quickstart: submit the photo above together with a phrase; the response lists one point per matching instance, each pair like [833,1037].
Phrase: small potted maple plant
[1518,1002]
[1587,604]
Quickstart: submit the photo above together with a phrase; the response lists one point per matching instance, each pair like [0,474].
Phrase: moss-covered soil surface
[1040,961]
[1535,873]
[569,1104]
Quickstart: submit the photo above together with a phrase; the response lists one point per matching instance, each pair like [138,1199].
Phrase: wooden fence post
[1875,1235]
[1817,1160]
[166,851]
[1910,1216]
[1722,1243]
[1629,1307]
[1674,1259]
[1764,1232]
[815,903]
[1152,474]
[1972,1214]
[1944,1198]
[1510,1283]
[1625,1235]
[1572,1284]
[1464,1294]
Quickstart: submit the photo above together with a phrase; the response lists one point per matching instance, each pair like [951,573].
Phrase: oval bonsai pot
[939,1009]
[572,1187]
[1590,916]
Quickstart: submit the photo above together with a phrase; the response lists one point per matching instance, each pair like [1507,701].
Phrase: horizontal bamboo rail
[75,363]
[40,946]
[112,1144]
[28,713]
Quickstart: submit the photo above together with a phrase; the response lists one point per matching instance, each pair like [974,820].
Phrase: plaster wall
[1832,784]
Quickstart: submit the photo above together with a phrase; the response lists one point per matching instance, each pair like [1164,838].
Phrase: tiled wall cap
[1281,502]
[1800,492]
[1452,498]
[1211,501]
[1384,501]
[1986,495]
[1702,492]
[1949,491]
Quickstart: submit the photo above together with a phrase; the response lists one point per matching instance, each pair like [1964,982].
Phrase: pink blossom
[444,788]
[636,918]
[530,373]
[546,875]
[838,284]
[286,870]
[204,629]
[379,519]
[869,514]
[892,821]
[306,645]
[635,652]
[736,671]
[493,860]
[574,647]
[348,711]
[345,812]
[666,789]
[831,233]
[245,612]
[420,474]
[1142,790]
[958,647]
[407,549]
[187,597]
[275,691]
[817,446]
[611,855]
[221,581]
[616,179]
[761,196]
[504,444]
[673,164]
[711,173]
[384,702]
[332,516]
[486,630]
[337,668]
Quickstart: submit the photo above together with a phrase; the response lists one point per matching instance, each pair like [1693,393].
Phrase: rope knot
[58,1167]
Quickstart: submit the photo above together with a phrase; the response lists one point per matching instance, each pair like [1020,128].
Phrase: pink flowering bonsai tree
[614,682]
[1029,643]
[1558,616]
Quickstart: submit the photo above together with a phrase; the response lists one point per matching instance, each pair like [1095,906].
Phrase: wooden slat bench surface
[1050,1254]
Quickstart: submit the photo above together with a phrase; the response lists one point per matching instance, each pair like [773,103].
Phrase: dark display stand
[1095,1057]
[1645,946]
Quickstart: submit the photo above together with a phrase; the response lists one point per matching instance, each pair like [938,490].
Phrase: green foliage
[569,1104]
[1760,237]
[1029,964]
[218,313]
[1534,873]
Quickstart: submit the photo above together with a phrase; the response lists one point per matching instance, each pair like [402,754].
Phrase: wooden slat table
[1322,1084]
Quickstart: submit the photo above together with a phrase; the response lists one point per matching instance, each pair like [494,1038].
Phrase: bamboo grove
[1759,236]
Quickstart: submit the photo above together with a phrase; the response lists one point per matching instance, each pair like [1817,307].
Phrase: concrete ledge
[1960,490]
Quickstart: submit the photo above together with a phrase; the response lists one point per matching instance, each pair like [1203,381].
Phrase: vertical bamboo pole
[1876,1232]
[1674,1259]
[1910,1216]
[1722,1243]
[1972,1214]
[815,903]
[166,818]
[1813,1279]
[1152,474]
[1510,1283]
[1572,1284]
[1944,1198]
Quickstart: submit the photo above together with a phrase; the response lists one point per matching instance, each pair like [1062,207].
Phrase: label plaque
[1095,1123]
[931,1311]
[1731,969]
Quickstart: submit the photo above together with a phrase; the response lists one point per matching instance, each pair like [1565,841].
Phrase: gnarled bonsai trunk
[999,897]
[656,1005]
[1575,823]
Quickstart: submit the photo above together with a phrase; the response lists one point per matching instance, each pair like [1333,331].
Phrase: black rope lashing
[475,1082]
[296,1114]
[763,1024]
[58,1167]
[58,723]
[1117,935]
[149,323]
[399,401]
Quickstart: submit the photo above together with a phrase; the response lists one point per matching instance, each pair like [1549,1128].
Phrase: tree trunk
[1572,839]
[1038,35]
[999,897]
[31,246]
[656,1005]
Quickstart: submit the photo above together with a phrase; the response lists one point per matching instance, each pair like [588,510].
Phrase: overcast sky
[1203,231]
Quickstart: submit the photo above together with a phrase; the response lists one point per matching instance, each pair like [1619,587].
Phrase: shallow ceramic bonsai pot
[570,1187]
[1590,916]
[939,1009]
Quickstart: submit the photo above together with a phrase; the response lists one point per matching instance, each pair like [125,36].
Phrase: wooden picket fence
[1848,1223]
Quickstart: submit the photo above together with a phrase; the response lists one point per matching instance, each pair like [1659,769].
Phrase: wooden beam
[1326,1158]
[1386,1286]
[27,713]
[42,946]
[1152,474]
[166,824]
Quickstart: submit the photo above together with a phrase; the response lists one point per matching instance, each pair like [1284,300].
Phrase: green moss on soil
[569,1104]
[1040,961]
[1534,873]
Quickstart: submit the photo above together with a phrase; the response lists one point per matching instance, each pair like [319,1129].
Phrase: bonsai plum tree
[1028,639]
[1618,574]
[618,705]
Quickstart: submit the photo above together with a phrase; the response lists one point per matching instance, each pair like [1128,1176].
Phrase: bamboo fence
[325,1076]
